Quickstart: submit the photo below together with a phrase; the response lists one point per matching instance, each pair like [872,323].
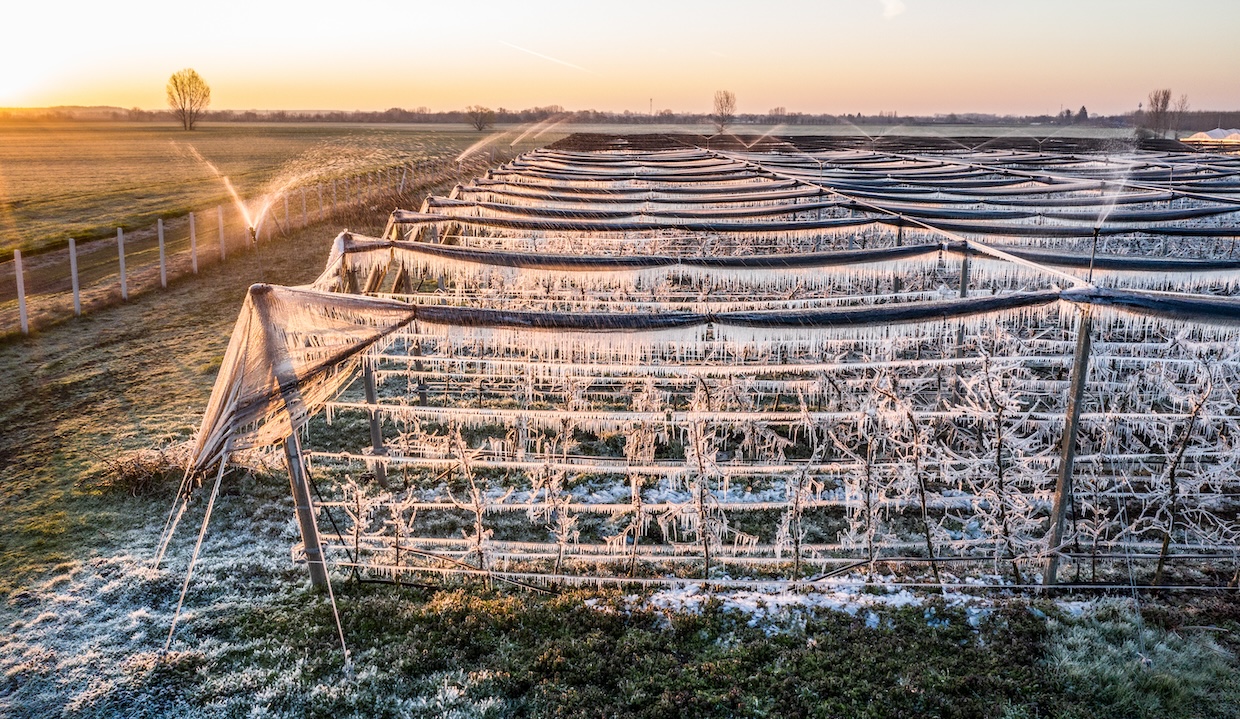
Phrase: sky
[819,56]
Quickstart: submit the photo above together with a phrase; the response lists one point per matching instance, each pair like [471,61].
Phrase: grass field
[84,616]
[83,180]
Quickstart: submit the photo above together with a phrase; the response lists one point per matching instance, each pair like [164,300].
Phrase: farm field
[83,180]
[85,616]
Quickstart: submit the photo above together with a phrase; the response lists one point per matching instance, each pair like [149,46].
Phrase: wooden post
[964,272]
[376,430]
[193,245]
[163,258]
[320,189]
[21,291]
[73,277]
[120,253]
[1067,447]
[334,197]
[305,512]
[305,214]
[299,480]
[219,209]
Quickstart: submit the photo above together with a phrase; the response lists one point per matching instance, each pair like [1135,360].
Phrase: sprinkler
[1092,254]
[253,236]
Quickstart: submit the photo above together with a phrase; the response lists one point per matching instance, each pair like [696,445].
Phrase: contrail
[547,57]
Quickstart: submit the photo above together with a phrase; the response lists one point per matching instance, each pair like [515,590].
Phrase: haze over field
[838,56]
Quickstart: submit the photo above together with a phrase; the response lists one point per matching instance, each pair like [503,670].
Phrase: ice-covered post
[73,277]
[305,511]
[964,272]
[376,430]
[320,189]
[299,481]
[21,291]
[120,253]
[163,258]
[1067,447]
[219,211]
[193,245]
[334,210]
[305,214]
[286,220]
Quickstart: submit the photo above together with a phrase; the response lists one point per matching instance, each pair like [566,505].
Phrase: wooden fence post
[21,291]
[163,260]
[120,253]
[305,215]
[334,210]
[1067,447]
[73,277]
[320,188]
[219,211]
[193,245]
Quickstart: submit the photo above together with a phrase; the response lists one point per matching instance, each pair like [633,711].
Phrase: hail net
[754,366]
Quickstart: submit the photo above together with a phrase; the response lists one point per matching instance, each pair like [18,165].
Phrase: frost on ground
[777,609]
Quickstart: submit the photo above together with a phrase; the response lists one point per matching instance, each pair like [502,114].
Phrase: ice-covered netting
[777,365]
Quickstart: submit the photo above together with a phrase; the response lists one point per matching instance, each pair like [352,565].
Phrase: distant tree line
[1189,121]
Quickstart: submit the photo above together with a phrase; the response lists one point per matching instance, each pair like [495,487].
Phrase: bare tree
[1179,110]
[188,96]
[1156,114]
[725,109]
[480,117]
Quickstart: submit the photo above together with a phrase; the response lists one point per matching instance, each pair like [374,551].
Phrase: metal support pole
[163,257]
[73,277]
[305,512]
[21,291]
[376,430]
[120,253]
[1067,449]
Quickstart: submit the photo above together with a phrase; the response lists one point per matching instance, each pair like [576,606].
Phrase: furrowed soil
[85,616]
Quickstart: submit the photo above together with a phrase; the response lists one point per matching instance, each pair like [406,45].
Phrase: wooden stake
[376,430]
[1067,447]
[163,259]
[73,276]
[306,522]
[193,245]
[21,291]
[120,253]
